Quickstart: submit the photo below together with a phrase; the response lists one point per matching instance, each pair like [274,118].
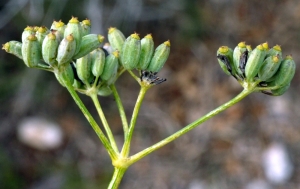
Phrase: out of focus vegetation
[228,151]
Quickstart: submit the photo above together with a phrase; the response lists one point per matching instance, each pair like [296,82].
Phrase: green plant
[80,65]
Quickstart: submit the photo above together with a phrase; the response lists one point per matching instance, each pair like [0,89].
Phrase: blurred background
[46,143]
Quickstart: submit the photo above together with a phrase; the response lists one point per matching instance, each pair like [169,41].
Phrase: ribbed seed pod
[49,49]
[111,66]
[254,62]
[58,28]
[275,51]
[66,49]
[13,47]
[225,59]
[147,49]
[86,27]
[27,32]
[286,72]
[116,38]
[84,69]
[88,44]
[131,51]
[41,34]
[269,67]
[239,60]
[160,57]
[74,28]
[281,90]
[98,61]
[31,51]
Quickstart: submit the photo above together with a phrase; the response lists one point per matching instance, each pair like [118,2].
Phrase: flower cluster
[72,49]
[262,66]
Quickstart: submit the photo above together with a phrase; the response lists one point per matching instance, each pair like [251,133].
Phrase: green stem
[121,109]
[88,116]
[189,127]
[116,178]
[104,122]
[126,147]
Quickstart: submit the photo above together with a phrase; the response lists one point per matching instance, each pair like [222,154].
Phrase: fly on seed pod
[225,59]
[160,57]
[240,54]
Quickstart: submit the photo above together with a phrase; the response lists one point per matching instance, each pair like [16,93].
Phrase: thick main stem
[189,127]
[116,178]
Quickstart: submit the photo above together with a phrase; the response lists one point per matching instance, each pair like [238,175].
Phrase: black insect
[243,61]
[151,77]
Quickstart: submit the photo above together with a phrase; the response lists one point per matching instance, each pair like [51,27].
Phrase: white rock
[39,133]
[276,163]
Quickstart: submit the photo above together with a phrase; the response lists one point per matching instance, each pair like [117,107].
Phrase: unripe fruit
[131,51]
[66,50]
[49,49]
[111,66]
[88,44]
[74,28]
[147,50]
[160,57]
[269,67]
[286,72]
[254,62]
[84,69]
[116,38]
[31,51]
[13,47]
[98,61]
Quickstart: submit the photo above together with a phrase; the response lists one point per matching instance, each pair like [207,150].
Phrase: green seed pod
[104,90]
[84,69]
[49,49]
[111,66]
[254,62]
[286,72]
[13,47]
[31,51]
[131,51]
[269,67]
[116,38]
[41,34]
[98,62]
[74,28]
[66,49]
[29,30]
[225,59]
[88,44]
[281,90]
[68,72]
[58,28]
[275,51]
[147,49]
[86,27]
[160,57]
[237,55]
